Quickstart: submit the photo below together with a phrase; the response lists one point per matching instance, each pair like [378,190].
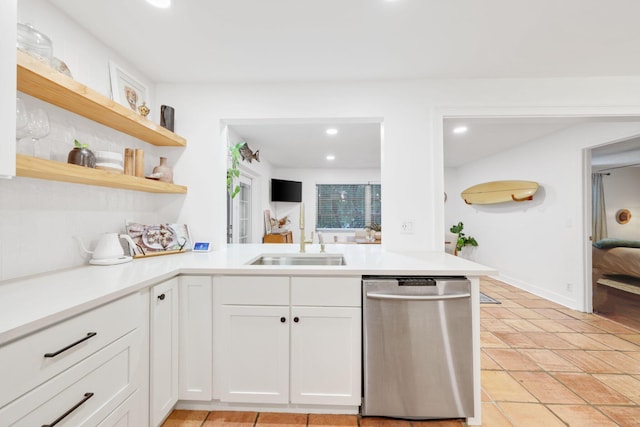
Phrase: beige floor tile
[499,312]
[619,359]
[184,418]
[486,362]
[580,326]
[536,303]
[550,361]
[634,354]
[382,422]
[609,326]
[551,313]
[575,314]
[321,420]
[588,362]
[230,419]
[581,415]
[496,325]
[616,343]
[272,419]
[489,340]
[548,340]
[546,388]
[550,325]
[626,385]
[500,386]
[526,313]
[516,339]
[591,390]
[522,325]
[509,303]
[624,416]
[492,416]
[582,341]
[511,359]
[484,397]
[530,414]
[634,338]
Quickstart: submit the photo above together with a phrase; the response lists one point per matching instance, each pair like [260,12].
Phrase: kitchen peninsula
[139,289]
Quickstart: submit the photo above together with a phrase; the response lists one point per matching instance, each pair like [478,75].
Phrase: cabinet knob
[161,297]
[296,319]
[283,319]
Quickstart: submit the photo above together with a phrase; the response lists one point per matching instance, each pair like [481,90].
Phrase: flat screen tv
[286,191]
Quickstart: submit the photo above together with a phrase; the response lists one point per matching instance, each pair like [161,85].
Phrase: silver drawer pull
[89,335]
[86,397]
[374,295]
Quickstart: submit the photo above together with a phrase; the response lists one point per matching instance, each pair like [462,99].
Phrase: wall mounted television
[286,191]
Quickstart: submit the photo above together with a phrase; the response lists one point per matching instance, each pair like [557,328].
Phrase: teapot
[109,251]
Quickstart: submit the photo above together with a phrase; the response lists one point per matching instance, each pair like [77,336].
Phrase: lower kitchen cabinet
[254,356]
[268,350]
[325,355]
[196,335]
[163,350]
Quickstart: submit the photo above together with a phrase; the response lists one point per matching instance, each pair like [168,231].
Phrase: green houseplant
[233,172]
[463,240]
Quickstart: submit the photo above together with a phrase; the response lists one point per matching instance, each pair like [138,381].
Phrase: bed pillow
[609,243]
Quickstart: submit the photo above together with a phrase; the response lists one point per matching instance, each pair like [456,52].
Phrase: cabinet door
[163,355]
[325,355]
[196,334]
[8,18]
[254,363]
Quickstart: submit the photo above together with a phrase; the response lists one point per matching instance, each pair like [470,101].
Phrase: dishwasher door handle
[375,295]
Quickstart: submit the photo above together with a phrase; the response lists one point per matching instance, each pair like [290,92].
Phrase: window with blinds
[347,206]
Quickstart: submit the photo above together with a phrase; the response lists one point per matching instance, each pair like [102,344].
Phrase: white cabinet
[287,340]
[8,18]
[163,350]
[56,376]
[196,335]
[325,355]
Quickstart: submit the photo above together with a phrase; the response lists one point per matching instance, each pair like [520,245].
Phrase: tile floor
[542,365]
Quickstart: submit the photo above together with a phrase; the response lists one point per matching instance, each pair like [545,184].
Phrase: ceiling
[306,145]
[200,41]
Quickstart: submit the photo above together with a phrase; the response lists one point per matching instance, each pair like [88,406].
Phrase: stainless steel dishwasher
[417,347]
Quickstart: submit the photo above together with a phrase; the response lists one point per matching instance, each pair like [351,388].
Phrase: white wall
[622,191]
[536,245]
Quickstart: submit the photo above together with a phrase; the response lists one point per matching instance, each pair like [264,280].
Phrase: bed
[615,265]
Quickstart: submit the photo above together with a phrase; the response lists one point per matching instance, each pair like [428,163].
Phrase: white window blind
[347,206]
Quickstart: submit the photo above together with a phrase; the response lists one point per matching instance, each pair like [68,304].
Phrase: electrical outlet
[569,287]
[406,227]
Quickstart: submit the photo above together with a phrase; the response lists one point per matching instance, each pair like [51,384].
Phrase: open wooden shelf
[45,83]
[33,167]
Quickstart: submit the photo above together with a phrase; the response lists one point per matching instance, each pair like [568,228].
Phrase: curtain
[598,211]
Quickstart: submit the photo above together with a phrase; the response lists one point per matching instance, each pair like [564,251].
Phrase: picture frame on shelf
[126,89]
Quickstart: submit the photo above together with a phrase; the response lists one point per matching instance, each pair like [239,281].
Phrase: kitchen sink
[299,259]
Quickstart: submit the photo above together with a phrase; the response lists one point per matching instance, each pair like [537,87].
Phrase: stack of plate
[109,161]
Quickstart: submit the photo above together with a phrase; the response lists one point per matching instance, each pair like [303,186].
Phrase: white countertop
[31,303]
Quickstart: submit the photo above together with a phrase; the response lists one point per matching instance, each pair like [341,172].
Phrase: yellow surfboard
[499,192]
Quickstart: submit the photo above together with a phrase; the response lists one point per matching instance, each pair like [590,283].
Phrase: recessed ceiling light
[163,4]
[332,131]
[460,129]
[331,157]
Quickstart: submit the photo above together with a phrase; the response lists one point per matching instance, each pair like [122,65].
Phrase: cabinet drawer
[87,393]
[252,290]
[24,364]
[326,291]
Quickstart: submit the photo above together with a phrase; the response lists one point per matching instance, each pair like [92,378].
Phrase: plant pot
[82,157]
[164,171]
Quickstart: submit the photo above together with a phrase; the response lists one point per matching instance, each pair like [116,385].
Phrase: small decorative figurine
[143,109]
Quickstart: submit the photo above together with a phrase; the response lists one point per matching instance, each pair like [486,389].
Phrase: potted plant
[463,240]
[81,155]
[233,172]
